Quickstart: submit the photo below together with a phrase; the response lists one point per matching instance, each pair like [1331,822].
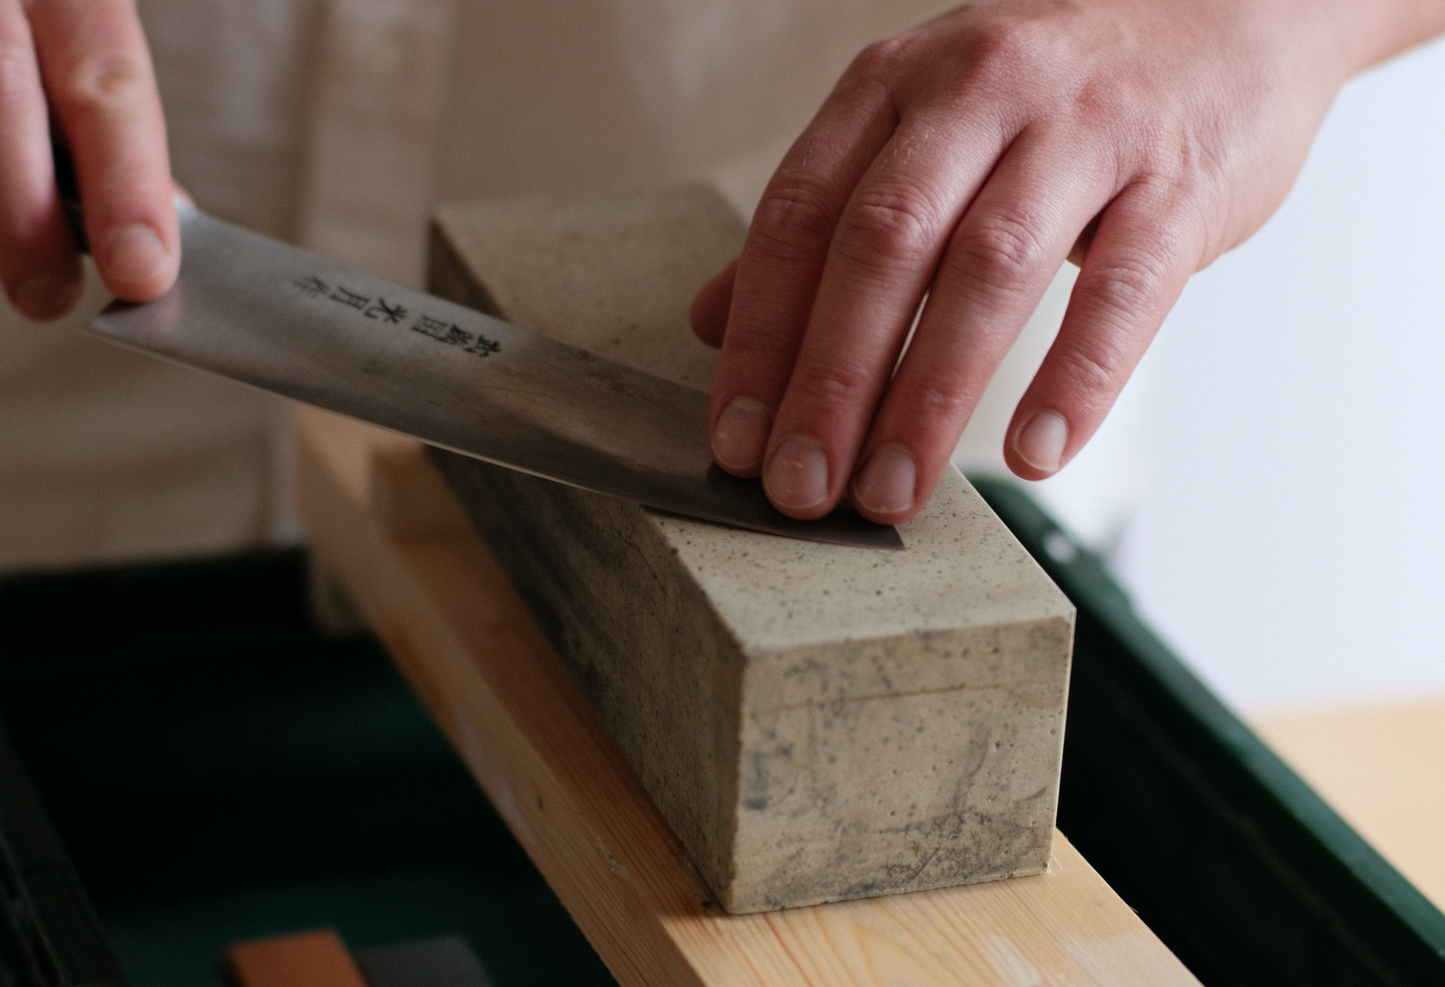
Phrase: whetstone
[433,593]
[815,722]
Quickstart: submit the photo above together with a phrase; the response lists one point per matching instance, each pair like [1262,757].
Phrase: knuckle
[831,387]
[941,399]
[1001,251]
[107,83]
[889,226]
[1168,179]
[1091,373]
[879,61]
[1128,285]
[1003,43]
[759,343]
[794,217]
[1106,104]
[1014,45]
[1125,294]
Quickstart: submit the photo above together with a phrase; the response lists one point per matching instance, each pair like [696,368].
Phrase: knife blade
[293,323]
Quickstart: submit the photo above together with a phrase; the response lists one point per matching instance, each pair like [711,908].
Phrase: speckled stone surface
[815,722]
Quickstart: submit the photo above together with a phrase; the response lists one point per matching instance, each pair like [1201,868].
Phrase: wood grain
[468,645]
[1380,767]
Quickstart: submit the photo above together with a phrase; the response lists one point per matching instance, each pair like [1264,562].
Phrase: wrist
[1375,31]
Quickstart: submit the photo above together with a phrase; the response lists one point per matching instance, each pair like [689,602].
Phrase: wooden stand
[384,526]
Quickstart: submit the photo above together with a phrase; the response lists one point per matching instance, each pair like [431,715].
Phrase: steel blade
[267,314]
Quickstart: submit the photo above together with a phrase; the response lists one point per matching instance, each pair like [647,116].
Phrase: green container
[218,770]
[1232,860]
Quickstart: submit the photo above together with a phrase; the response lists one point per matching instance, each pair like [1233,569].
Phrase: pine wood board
[1381,766]
[429,588]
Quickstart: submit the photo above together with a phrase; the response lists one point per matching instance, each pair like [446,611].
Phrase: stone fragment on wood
[815,722]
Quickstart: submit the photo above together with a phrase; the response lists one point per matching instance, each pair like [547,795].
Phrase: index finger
[38,264]
[97,71]
[782,262]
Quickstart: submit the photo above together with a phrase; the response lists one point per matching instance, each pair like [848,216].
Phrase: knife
[293,323]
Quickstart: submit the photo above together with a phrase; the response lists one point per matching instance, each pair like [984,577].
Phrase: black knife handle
[69,189]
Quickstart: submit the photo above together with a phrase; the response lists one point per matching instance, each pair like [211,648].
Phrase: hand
[90,58]
[965,161]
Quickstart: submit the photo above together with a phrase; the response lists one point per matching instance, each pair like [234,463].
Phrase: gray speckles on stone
[961,567]
[815,722]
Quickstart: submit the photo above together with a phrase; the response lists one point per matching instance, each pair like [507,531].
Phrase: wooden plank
[1379,767]
[815,722]
[469,646]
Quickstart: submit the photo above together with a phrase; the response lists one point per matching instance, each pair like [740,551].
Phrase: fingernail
[885,485]
[1040,443]
[46,296]
[135,254]
[797,476]
[741,434]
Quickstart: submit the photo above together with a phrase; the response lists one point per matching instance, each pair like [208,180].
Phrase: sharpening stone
[815,722]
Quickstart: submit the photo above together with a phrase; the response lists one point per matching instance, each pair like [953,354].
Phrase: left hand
[966,160]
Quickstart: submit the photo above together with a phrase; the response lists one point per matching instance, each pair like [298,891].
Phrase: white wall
[1289,537]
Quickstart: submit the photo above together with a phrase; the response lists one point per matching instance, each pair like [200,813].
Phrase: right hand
[89,57]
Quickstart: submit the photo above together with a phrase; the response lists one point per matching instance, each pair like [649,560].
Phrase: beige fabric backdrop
[337,124]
